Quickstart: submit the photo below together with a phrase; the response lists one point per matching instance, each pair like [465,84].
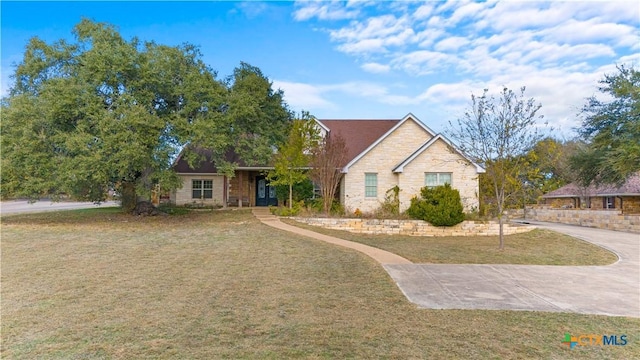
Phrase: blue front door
[265,194]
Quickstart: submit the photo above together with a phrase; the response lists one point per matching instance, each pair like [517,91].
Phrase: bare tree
[495,132]
[327,160]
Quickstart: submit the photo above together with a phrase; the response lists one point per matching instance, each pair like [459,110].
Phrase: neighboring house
[381,154]
[625,198]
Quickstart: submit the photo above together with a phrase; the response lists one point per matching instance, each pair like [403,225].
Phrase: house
[205,185]
[381,154]
[624,198]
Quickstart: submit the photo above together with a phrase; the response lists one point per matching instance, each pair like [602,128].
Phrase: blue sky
[374,59]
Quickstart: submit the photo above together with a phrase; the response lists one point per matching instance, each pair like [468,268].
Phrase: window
[317,192]
[609,202]
[370,185]
[436,179]
[202,189]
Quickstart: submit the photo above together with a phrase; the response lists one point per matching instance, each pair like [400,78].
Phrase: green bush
[301,191]
[439,206]
[285,211]
[316,206]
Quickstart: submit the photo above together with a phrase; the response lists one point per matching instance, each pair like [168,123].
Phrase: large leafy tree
[612,130]
[497,131]
[103,112]
[294,156]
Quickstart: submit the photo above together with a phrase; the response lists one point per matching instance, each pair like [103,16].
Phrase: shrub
[301,191]
[439,206]
[296,207]
[316,206]
[390,207]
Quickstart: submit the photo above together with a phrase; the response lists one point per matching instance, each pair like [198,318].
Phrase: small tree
[293,157]
[327,160]
[439,206]
[497,131]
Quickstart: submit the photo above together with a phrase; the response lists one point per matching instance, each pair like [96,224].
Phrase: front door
[265,194]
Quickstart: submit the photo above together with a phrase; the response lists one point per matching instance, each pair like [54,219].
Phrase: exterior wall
[183,196]
[631,205]
[602,219]
[381,160]
[438,158]
[414,227]
[243,186]
[559,203]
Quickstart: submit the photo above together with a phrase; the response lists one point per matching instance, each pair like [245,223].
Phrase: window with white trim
[202,189]
[609,202]
[436,179]
[370,185]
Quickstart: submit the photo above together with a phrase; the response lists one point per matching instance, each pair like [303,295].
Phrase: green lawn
[537,247]
[99,284]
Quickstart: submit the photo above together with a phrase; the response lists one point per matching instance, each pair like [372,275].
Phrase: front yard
[536,247]
[98,284]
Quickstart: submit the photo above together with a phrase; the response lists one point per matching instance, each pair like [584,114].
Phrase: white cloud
[302,96]
[424,11]
[451,43]
[559,50]
[375,68]
[252,9]
[322,10]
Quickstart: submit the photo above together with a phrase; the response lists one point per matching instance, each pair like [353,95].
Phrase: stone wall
[183,196]
[439,158]
[381,160]
[392,151]
[602,219]
[414,227]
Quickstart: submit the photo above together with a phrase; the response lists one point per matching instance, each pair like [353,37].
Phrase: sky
[374,59]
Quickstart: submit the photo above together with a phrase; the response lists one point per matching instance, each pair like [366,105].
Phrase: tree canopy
[103,112]
[497,132]
[611,129]
[294,156]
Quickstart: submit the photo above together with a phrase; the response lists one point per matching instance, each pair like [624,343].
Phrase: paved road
[605,290]
[23,206]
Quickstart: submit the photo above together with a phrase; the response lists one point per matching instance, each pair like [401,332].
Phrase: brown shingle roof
[359,134]
[630,187]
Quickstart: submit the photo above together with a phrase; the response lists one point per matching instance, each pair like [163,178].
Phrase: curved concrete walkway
[379,255]
[604,290]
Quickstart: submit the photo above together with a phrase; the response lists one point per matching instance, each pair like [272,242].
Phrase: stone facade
[381,160]
[631,205]
[602,219]
[184,195]
[440,158]
[393,150]
[414,227]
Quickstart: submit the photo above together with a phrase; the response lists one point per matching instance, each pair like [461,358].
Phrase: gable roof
[358,134]
[400,167]
[631,187]
[363,135]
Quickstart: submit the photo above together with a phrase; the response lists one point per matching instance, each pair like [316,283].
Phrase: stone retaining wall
[414,227]
[602,219]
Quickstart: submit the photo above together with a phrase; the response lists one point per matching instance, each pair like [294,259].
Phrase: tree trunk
[290,195]
[501,231]
[128,196]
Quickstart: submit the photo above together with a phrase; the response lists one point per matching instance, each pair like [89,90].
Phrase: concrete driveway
[23,206]
[605,290]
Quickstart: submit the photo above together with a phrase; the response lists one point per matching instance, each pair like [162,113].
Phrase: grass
[96,284]
[537,247]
